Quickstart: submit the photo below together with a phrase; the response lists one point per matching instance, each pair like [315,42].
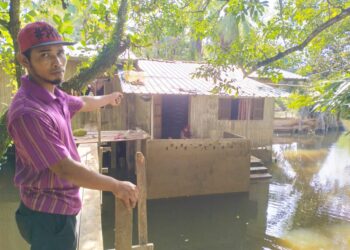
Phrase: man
[48,168]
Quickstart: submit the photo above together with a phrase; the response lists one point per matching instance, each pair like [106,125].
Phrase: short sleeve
[37,141]
[75,103]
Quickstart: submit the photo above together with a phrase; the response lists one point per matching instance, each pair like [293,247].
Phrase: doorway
[175,110]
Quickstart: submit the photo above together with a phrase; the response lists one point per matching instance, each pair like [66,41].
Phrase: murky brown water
[305,205]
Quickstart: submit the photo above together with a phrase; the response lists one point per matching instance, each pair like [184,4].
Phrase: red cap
[39,34]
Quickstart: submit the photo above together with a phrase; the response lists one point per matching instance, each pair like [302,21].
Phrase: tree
[186,29]
[103,62]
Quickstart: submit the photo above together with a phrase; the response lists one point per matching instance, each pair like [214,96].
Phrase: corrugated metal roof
[175,78]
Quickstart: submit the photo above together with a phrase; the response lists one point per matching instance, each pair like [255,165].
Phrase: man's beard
[55,82]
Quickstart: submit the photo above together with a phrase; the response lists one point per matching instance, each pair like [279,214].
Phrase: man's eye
[44,54]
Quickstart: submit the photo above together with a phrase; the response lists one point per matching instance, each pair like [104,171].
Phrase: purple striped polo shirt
[40,125]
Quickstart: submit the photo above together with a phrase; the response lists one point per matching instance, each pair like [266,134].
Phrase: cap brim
[53,43]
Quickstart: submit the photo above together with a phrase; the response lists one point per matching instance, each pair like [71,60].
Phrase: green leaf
[57,19]
[4,5]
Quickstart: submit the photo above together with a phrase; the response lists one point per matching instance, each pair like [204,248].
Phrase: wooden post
[123,218]
[99,140]
[123,226]
[142,204]
[99,148]
[114,155]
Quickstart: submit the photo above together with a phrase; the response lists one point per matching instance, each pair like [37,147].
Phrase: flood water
[305,205]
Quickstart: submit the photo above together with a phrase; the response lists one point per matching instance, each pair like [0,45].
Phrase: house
[162,97]
[288,80]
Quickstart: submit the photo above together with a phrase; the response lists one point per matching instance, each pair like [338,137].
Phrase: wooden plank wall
[5,90]
[142,113]
[205,123]
[112,118]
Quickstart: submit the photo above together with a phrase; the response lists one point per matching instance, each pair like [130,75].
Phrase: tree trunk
[14,27]
[103,62]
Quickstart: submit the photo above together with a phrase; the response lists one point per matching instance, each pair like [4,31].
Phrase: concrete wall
[196,167]
[204,122]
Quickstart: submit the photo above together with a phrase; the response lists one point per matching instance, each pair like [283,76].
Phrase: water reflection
[304,206]
[309,206]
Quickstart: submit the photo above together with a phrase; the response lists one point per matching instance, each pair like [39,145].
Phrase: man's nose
[57,61]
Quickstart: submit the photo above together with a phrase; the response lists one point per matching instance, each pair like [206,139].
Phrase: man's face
[48,63]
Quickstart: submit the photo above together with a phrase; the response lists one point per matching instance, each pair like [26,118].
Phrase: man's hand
[115,98]
[128,193]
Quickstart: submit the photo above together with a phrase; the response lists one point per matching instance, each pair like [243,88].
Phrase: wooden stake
[123,218]
[123,226]
[99,139]
[142,204]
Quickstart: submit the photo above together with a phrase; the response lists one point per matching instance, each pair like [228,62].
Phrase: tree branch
[64,4]
[334,5]
[103,62]
[106,58]
[345,13]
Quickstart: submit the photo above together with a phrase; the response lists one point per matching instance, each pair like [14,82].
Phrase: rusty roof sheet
[174,78]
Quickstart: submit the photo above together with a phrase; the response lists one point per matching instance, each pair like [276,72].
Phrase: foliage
[223,33]
[4,139]
[331,96]
[49,11]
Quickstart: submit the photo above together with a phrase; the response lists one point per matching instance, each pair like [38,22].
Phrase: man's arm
[91,103]
[78,174]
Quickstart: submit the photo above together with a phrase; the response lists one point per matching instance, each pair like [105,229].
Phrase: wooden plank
[123,226]
[142,204]
[114,135]
[114,155]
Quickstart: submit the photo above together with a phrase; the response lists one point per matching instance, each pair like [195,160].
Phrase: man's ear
[23,60]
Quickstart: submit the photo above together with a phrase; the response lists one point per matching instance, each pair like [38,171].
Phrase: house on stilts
[161,98]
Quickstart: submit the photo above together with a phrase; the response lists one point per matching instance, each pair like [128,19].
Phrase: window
[241,109]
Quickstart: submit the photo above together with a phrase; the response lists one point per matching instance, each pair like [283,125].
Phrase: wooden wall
[142,113]
[204,122]
[5,90]
[112,118]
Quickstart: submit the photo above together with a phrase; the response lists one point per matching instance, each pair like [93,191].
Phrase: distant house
[288,82]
